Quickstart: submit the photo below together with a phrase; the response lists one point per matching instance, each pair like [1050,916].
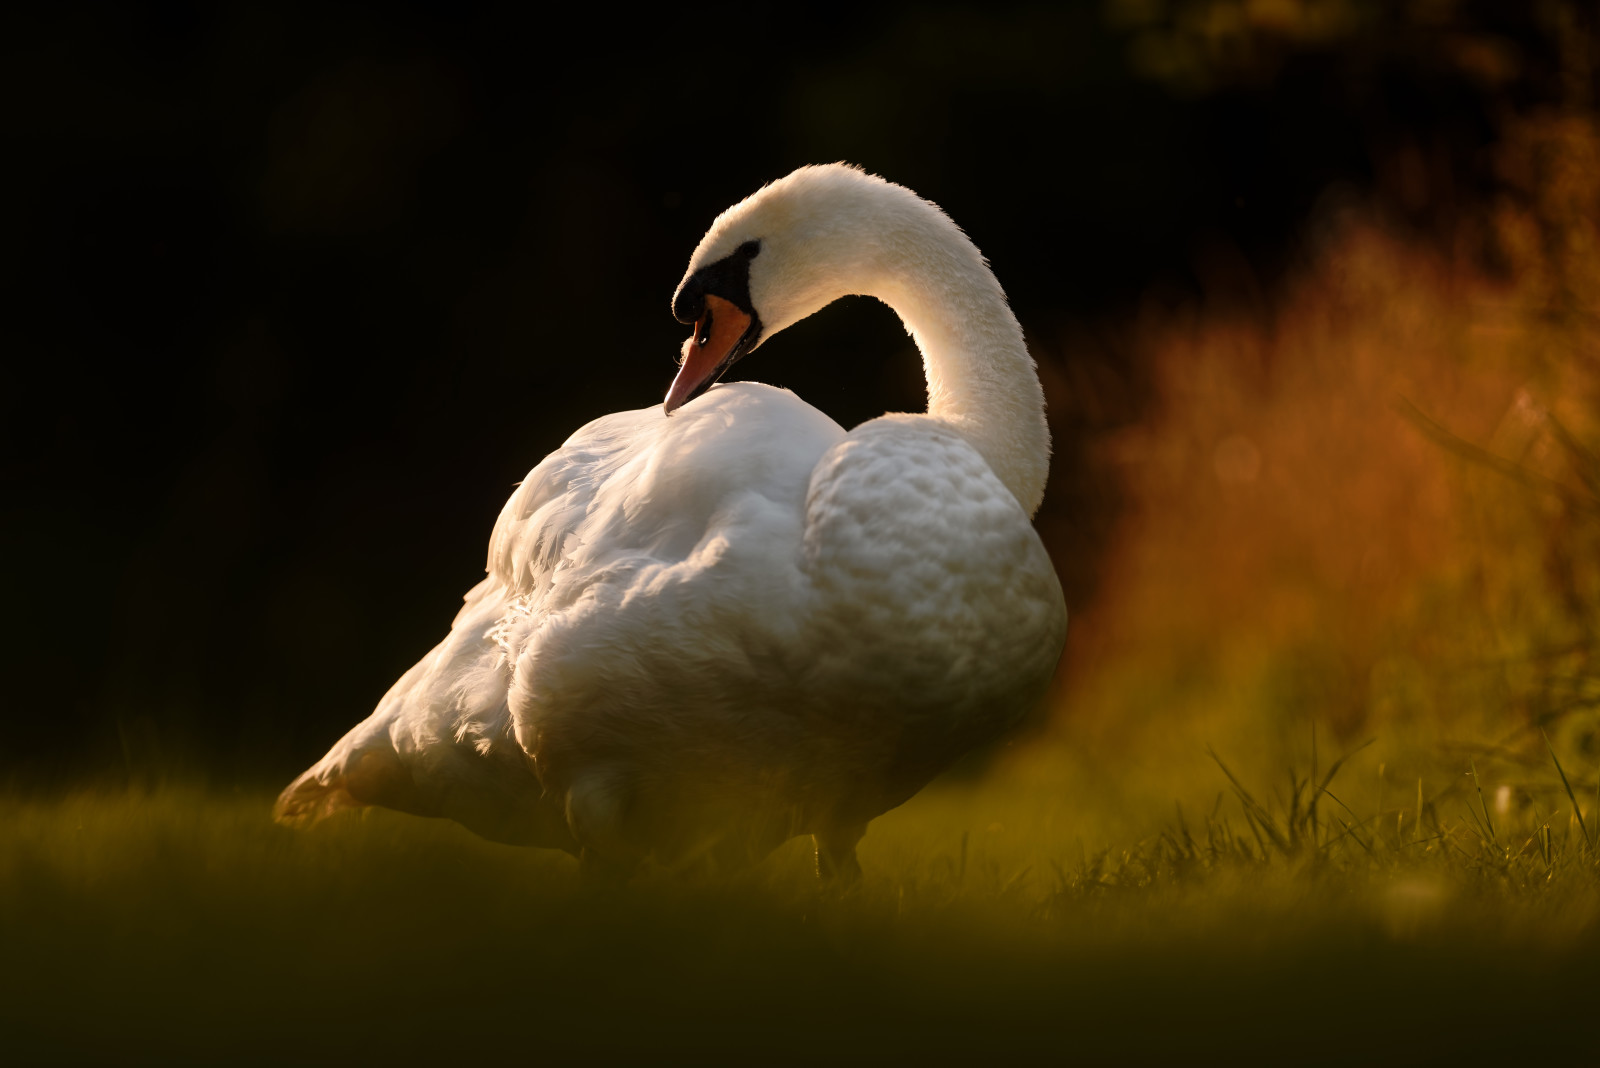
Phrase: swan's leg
[836,854]
[596,803]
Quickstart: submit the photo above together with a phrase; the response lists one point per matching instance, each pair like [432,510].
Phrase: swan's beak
[722,334]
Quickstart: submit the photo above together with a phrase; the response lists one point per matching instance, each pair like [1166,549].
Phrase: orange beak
[716,343]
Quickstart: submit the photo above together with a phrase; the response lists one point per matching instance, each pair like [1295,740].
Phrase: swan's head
[779,255]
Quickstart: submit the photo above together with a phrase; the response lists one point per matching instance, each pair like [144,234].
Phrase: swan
[713,625]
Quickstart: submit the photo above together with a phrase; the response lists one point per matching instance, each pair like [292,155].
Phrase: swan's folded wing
[628,497]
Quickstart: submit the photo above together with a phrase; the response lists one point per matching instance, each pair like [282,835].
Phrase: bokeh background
[298,292]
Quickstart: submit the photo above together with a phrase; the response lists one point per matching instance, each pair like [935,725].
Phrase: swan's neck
[826,232]
[981,379]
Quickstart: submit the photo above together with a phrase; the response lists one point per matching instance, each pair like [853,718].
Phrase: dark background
[298,293]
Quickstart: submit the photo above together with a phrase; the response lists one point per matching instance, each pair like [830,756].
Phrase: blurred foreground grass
[1014,915]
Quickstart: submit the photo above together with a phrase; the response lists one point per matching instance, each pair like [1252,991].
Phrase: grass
[177,925]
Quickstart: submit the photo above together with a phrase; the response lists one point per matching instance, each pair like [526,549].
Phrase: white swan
[715,625]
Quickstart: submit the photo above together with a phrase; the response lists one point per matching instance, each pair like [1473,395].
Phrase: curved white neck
[832,231]
[982,382]
[981,379]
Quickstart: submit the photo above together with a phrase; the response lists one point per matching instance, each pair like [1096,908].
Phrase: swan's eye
[749,249]
[704,333]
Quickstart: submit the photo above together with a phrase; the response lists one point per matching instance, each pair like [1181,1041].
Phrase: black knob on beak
[689,302]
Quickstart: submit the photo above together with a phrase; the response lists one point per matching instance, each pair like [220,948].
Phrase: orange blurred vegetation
[1373,501]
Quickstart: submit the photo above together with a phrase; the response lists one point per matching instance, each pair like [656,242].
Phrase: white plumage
[705,632]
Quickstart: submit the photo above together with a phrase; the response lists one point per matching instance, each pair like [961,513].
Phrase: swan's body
[722,627]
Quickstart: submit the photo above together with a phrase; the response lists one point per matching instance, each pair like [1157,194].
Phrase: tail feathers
[497,797]
[373,776]
[308,801]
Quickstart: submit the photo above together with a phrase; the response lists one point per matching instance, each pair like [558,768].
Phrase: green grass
[177,925]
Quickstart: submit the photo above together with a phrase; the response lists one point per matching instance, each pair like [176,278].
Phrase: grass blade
[1252,807]
[1487,822]
[1576,811]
